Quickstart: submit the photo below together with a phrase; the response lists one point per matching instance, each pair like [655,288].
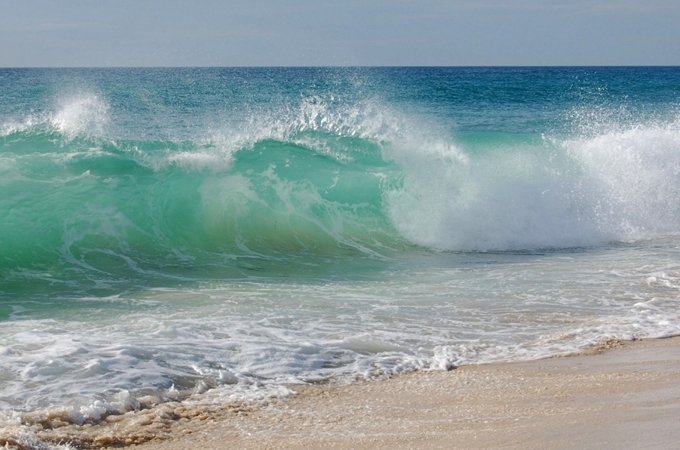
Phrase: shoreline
[619,395]
[627,396]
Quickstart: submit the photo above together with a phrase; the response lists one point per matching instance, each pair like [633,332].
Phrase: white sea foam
[200,160]
[244,340]
[634,175]
[618,185]
[84,114]
[290,122]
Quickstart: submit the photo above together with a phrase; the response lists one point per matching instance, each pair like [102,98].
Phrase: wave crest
[85,114]
[619,185]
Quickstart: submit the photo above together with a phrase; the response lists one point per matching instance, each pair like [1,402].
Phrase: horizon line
[357,66]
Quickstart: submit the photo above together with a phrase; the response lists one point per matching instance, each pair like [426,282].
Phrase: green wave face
[85,208]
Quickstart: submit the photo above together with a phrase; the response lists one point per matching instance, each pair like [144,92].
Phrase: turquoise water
[234,230]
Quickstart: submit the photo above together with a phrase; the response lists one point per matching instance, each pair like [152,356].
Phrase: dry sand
[626,397]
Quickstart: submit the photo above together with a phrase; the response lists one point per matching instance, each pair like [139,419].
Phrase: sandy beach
[622,395]
[619,396]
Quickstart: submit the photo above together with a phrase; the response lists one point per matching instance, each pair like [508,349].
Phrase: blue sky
[349,32]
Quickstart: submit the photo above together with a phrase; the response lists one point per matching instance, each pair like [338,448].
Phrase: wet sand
[625,397]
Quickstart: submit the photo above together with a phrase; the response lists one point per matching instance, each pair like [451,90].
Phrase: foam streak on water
[212,234]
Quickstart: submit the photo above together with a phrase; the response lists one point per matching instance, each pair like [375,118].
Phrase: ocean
[225,233]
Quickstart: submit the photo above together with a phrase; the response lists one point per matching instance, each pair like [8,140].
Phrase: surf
[320,181]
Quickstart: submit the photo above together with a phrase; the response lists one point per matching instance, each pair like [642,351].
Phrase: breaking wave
[319,180]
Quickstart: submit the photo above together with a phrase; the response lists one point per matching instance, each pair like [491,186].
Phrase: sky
[102,33]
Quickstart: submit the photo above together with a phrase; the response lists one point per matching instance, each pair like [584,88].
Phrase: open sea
[223,233]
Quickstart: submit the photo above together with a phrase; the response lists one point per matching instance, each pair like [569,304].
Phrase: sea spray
[576,192]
